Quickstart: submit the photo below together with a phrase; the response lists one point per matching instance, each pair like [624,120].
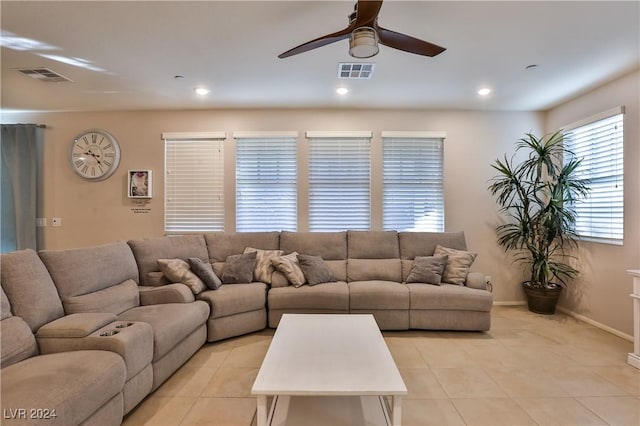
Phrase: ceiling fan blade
[319,42]
[407,43]
[366,13]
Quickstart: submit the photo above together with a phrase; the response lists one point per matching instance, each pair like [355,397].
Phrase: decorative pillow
[264,267]
[315,270]
[239,268]
[204,271]
[427,269]
[290,267]
[458,264]
[177,270]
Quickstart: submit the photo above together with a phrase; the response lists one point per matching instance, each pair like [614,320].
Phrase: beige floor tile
[221,412]
[559,411]
[526,382]
[231,382]
[248,355]
[580,381]
[623,376]
[160,411]
[495,355]
[615,410]
[211,355]
[492,412]
[467,383]
[421,383]
[187,381]
[594,355]
[441,353]
[429,412]
[406,355]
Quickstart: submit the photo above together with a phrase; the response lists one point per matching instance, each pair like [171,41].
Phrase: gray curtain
[19,159]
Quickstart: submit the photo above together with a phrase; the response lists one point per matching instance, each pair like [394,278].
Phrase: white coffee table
[337,362]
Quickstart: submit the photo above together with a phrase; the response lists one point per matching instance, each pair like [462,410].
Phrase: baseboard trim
[509,303]
[596,324]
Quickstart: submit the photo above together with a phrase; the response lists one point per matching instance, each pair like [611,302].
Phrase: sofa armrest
[170,293]
[478,280]
[75,325]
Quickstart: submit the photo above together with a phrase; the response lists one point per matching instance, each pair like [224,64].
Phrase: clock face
[94,155]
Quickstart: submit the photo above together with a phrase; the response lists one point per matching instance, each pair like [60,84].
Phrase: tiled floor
[528,369]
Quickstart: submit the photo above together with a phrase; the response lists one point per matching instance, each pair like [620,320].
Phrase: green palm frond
[537,196]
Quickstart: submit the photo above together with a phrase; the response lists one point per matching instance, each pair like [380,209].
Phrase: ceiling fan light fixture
[363,43]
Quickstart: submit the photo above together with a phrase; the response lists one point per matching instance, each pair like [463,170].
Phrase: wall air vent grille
[358,70]
[43,74]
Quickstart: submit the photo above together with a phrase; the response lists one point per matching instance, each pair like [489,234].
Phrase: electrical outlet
[41,222]
[56,221]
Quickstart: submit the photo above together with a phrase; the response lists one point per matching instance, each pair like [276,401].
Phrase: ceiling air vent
[358,70]
[43,74]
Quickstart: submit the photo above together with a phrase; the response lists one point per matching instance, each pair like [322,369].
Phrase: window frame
[217,188]
[616,214]
[432,187]
[275,170]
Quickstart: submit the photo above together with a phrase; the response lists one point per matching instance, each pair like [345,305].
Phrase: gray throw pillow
[178,271]
[204,271]
[238,268]
[427,269]
[315,269]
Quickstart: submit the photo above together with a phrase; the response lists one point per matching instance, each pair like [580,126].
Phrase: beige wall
[100,212]
[602,292]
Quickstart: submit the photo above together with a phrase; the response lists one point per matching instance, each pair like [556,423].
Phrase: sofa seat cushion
[74,384]
[376,294]
[332,296]
[449,297]
[171,322]
[232,299]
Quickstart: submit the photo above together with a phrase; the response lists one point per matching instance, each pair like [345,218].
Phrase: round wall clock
[94,154]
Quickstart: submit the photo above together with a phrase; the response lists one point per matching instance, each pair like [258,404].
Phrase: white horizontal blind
[194,185]
[413,193]
[266,184]
[339,183]
[600,217]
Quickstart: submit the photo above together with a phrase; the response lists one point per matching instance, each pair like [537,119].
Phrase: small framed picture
[140,184]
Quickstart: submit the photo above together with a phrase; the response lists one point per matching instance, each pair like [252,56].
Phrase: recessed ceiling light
[342,91]
[484,91]
[202,91]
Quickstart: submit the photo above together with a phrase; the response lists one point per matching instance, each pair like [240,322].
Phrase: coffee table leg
[261,414]
[396,419]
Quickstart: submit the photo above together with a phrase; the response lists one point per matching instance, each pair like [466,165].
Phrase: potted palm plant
[536,197]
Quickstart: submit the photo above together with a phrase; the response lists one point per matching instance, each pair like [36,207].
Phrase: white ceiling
[137,47]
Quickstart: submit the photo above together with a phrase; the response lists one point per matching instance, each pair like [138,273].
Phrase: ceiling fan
[364,33]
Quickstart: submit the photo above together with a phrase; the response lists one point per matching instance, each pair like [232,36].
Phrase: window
[413,194]
[266,182]
[194,182]
[339,181]
[599,143]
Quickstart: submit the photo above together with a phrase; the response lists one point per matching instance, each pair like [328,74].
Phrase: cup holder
[109,333]
[124,324]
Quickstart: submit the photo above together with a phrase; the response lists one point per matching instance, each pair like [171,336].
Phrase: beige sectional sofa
[109,317]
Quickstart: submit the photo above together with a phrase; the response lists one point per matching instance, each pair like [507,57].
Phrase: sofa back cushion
[30,289]
[16,339]
[147,251]
[414,244]
[373,255]
[79,274]
[331,246]
[221,245]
